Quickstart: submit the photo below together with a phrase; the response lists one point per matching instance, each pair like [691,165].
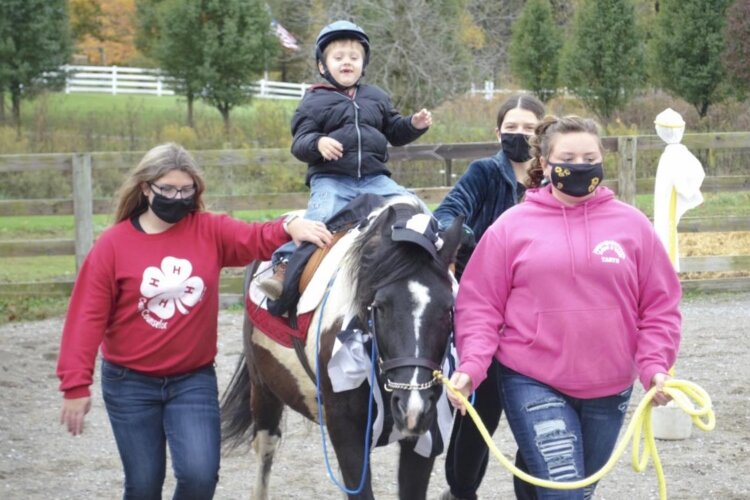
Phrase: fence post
[448,172]
[158,85]
[114,80]
[489,89]
[627,149]
[66,70]
[83,207]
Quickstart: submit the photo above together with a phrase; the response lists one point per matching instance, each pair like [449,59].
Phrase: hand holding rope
[681,391]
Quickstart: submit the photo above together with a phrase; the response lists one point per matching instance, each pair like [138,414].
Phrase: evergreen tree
[237,47]
[35,41]
[686,50]
[178,47]
[737,45]
[534,49]
[602,59]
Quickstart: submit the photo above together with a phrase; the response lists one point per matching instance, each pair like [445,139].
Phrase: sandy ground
[39,460]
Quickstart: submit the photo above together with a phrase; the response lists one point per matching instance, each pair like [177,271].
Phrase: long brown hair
[541,141]
[155,164]
[520,101]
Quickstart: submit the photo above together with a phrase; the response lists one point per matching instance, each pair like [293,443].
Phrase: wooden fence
[83,205]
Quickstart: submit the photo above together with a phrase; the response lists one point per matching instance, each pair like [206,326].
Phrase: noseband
[403,362]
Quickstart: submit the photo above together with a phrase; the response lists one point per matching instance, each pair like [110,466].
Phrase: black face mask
[172,210]
[515,146]
[576,179]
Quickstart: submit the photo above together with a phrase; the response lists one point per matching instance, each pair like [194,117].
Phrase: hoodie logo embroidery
[167,289]
[610,251]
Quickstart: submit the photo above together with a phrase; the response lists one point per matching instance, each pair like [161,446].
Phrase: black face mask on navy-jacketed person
[576,179]
[171,210]
[515,146]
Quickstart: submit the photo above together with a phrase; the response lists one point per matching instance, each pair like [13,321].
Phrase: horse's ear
[451,240]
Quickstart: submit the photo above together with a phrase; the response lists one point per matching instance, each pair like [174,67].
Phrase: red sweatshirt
[151,300]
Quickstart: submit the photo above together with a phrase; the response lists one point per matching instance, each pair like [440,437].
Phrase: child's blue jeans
[329,194]
[148,413]
[560,437]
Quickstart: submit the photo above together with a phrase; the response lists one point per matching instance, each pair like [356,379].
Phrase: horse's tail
[236,417]
[237,422]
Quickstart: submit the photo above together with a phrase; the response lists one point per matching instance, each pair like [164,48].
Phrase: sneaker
[273,287]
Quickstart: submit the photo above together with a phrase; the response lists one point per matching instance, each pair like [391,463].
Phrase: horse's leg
[267,410]
[346,417]
[413,472]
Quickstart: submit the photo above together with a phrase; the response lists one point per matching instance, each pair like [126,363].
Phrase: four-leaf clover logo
[171,287]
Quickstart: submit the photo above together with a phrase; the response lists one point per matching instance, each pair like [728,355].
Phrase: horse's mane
[374,260]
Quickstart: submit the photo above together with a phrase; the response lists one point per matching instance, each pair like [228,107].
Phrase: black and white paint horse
[406,296]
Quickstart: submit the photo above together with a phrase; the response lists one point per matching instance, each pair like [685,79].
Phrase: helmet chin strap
[329,77]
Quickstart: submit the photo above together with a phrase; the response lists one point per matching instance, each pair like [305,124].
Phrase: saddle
[315,259]
[308,274]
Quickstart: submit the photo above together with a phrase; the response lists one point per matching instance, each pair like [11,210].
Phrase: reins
[681,391]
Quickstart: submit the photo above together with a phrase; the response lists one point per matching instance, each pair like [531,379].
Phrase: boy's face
[344,59]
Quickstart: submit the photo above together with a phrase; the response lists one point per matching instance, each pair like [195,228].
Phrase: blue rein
[368,429]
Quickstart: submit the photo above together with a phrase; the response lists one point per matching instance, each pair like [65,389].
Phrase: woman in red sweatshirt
[574,295]
[148,294]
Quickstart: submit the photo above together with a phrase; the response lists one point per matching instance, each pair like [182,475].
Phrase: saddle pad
[278,327]
[274,327]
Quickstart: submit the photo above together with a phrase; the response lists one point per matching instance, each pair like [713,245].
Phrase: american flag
[287,39]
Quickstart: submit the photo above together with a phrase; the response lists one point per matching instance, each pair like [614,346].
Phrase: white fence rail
[125,80]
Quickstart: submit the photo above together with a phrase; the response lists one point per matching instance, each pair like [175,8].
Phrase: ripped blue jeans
[560,437]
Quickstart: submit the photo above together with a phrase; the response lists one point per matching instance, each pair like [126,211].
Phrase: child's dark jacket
[364,124]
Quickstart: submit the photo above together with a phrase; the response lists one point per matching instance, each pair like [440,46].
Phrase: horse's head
[405,295]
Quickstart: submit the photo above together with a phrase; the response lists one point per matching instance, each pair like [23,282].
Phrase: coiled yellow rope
[681,391]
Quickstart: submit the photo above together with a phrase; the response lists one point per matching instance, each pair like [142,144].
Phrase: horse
[405,294]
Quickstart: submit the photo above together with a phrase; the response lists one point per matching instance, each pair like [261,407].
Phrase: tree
[602,59]
[178,46]
[86,19]
[237,47]
[534,49]
[686,51]
[34,42]
[736,54]
[417,56]
[295,16]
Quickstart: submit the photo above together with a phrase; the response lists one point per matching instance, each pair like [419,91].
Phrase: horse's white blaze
[421,296]
[414,405]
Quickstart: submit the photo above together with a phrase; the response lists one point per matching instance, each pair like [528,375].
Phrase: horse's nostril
[400,403]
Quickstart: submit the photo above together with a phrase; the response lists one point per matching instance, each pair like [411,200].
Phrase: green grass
[714,204]
[31,308]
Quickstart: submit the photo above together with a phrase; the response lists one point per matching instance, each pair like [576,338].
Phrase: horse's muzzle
[414,411]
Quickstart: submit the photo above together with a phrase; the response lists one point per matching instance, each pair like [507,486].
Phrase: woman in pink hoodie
[573,293]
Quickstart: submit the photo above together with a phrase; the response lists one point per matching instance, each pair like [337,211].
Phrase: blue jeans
[560,437]
[329,194]
[147,413]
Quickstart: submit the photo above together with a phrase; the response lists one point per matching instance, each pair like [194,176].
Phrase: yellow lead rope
[681,391]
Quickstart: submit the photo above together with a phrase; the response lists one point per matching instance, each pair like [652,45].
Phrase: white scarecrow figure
[678,181]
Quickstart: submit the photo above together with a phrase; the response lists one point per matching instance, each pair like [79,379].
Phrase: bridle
[387,365]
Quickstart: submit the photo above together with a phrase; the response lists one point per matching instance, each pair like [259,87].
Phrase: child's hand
[331,149]
[422,119]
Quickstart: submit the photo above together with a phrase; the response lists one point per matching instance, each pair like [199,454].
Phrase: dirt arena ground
[39,460]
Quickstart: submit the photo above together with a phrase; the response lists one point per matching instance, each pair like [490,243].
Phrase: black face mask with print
[515,146]
[171,210]
[576,179]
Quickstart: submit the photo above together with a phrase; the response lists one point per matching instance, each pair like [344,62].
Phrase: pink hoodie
[583,298]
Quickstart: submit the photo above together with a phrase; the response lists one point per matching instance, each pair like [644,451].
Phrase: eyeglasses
[171,192]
